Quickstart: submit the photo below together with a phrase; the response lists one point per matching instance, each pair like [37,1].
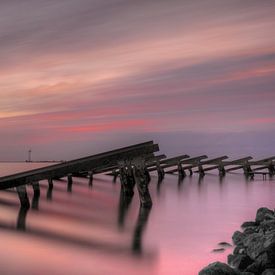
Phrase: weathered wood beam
[60,170]
[193,162]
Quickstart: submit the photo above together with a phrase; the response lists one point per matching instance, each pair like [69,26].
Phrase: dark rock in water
[267,225]
[261,244]
[239,249]
[224,244]
[238,237]
[263,214]
[241,262]
[218,250]
[269,272]
[255,248]
[248,224]
[218,268]
[255,268]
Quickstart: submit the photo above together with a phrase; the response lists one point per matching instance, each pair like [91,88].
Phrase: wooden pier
[133,165]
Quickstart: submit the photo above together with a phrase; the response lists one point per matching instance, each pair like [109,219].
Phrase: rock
[241,262]
[254,244]
[238,237]
[218,250]
[251,230]
[269,272]
[261,247]
[248,224]
[247,273]
[267,225]
[218,268]
[255,268]
[225,244]
[263,214]
[239,249]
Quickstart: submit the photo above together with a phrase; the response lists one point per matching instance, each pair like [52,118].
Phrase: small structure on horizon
[29,156]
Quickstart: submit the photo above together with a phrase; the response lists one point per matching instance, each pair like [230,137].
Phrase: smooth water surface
[91,230]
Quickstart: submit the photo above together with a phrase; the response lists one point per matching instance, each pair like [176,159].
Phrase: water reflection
[124,203]
[143,217]
[21,219]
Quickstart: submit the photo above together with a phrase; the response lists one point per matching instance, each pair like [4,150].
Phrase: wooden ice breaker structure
[130,160]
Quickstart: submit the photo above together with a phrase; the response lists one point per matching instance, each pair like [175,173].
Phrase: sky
[78,77]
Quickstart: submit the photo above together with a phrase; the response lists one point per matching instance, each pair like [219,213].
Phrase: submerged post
[127,179]
[91,177]
[36,195]
[221,170]
[23,196]
[181,171]
[70,182]
[142,183]
[160,171]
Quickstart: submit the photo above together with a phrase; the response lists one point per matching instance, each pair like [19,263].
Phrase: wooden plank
[102,160]
[167,162]
[193,162]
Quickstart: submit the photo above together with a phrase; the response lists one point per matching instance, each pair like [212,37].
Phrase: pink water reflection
[82,232]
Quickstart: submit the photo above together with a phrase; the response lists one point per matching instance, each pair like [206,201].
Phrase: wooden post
[91,177]
[70,182]
[36,195]
[142,184]
[181,171]
[221,170]
[50,183]
[127,179]
[160,172]
[23,196]
[140,226]
[201,171]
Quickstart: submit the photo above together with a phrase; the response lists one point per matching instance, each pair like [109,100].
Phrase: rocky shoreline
[254,252]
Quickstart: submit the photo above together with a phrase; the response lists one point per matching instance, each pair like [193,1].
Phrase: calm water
[89,231]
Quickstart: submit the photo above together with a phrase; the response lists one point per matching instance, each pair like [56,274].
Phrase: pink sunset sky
[81,76]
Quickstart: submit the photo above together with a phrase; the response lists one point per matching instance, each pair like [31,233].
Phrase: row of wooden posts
[133,165]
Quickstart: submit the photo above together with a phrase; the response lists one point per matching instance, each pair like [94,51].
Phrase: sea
[91,229]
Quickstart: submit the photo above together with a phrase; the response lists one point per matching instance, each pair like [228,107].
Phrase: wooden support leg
[115,173]
[221,171]
[140,226]
[181,171]
[21,219]
[160,171]
[142,185]
[201,171]
[127,181]
[70,183]
[147,174]
[36,188]
[91,177]
[23,196]
[50,183]
[36,195]
[190,172]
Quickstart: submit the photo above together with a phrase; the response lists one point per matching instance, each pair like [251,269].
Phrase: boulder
[267,225]
[238,237]
[218,268]
[269,272]
[263,213]
[261,247]
[224,244]
[255,268]
[239,249]
[248,224]
[240,262]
